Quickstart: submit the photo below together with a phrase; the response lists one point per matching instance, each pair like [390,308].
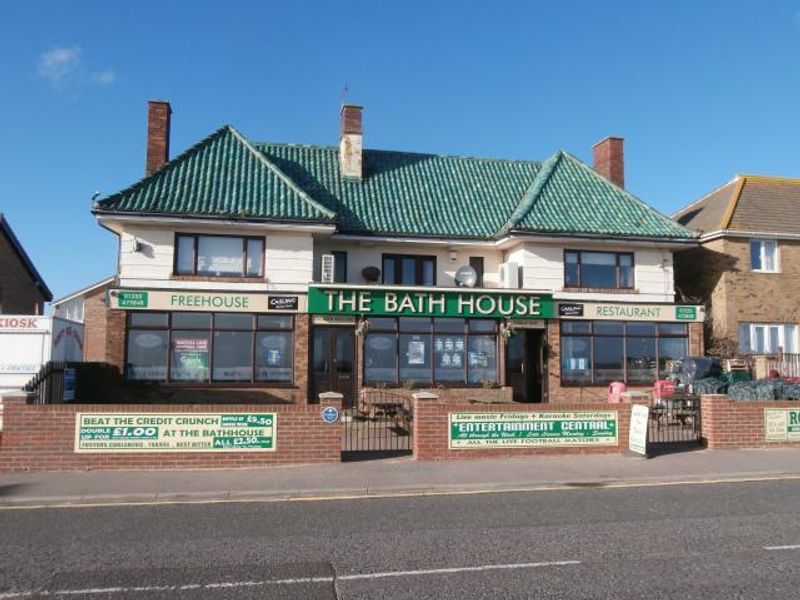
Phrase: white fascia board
[110,220]
[511,240]
[759,235]
[83,291]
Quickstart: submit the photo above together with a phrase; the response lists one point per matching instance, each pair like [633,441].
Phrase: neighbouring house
[88,306]
[303,269]
[22,289]
[747,266]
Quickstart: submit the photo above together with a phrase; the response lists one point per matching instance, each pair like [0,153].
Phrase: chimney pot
[351,142]
[609,160]
[158,126]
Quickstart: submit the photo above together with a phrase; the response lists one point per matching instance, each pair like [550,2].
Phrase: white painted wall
[543,269]
[371,255]
[288,260]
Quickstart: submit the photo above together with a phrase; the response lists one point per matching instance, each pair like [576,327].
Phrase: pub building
[291,270]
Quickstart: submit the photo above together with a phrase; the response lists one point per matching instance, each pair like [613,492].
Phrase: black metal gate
[379,424]
[674,423]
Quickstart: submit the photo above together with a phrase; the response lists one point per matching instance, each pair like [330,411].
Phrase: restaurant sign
[521,430]
[782,424]
[204,301]
[175,432]
[630,312]
[429,303]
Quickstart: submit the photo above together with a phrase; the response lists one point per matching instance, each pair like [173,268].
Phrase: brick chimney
[351,138]
[609,160]
[158,120]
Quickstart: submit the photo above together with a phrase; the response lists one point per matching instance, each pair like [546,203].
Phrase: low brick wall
[431,425]
[730,423]
[42,438]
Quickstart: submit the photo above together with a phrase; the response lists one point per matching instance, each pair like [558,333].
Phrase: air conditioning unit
[509,275]
[327,267]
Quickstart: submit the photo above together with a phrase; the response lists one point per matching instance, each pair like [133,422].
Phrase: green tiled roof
[401,193]
[568,196]
[223,175]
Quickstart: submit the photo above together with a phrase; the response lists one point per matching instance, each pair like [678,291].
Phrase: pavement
[394,477]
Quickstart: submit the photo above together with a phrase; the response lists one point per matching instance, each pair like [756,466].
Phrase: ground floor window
[448,351]
[210,347]
[767,338]
[599,352]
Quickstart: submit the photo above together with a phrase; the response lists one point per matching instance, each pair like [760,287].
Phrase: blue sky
[699,90]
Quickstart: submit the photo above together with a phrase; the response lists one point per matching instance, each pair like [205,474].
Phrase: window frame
[591,335]
[477,263]
[254,329]
[467,333]
[339,258]
[762,255]
[781,342]
[195,242]
[419,268]
[617,268]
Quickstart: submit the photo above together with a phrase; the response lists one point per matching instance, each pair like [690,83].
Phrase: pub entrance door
[333,362]
[525,362]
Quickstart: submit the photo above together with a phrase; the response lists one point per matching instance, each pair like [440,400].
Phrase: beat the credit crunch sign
[522,430]
[175,432]
[429,303]
[205,301]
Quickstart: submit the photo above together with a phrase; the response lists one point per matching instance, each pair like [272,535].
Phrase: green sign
[520,430]
[131,299]
[686,313]
[174,432]
[429,303]
[782,424]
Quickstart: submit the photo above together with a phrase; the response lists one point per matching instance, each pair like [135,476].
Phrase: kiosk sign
[782,424]
[521,430]
[175,432]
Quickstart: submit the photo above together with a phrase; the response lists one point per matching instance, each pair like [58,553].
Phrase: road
[687,541]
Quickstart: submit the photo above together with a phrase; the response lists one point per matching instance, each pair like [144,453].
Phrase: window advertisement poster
[274,360]
[190,358]
[175,432]
[782,424]
[522,430]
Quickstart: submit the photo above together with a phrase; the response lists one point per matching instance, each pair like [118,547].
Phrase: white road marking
[288,581]
[792,547]
[559,563]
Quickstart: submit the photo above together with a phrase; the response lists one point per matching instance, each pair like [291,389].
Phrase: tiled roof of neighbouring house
[401,193]
[753,203]
[23,257]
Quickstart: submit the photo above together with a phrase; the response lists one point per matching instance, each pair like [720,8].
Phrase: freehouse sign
[428,303]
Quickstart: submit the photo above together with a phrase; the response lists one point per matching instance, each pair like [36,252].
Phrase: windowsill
[219,279]
[777,272]
[596,290]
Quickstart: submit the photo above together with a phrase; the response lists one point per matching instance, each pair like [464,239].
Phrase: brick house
[22,289]
[301,269]
[747,266]
[88,306]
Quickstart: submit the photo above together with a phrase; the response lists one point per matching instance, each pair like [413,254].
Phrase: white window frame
[762,255]
[747,346]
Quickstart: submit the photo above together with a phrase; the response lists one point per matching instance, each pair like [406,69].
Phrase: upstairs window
[767,338]
[476,262]
[219,255]
[764,256]
[406,269]
[339,266]
[606,270]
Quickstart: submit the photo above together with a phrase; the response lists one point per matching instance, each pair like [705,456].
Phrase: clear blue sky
[699,90]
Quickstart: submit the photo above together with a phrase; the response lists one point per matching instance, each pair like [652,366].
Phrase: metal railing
[94,382]
[381,422]
[787,365]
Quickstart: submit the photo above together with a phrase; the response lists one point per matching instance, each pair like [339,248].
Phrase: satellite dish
[466,276]
[371,273]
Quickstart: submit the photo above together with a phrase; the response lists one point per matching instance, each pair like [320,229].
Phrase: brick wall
[431,422]
[730,423]
[42,438]
[720,272]
[18,293]
[95,326]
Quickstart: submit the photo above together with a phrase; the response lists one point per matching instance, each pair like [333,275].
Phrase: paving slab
[391,476]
